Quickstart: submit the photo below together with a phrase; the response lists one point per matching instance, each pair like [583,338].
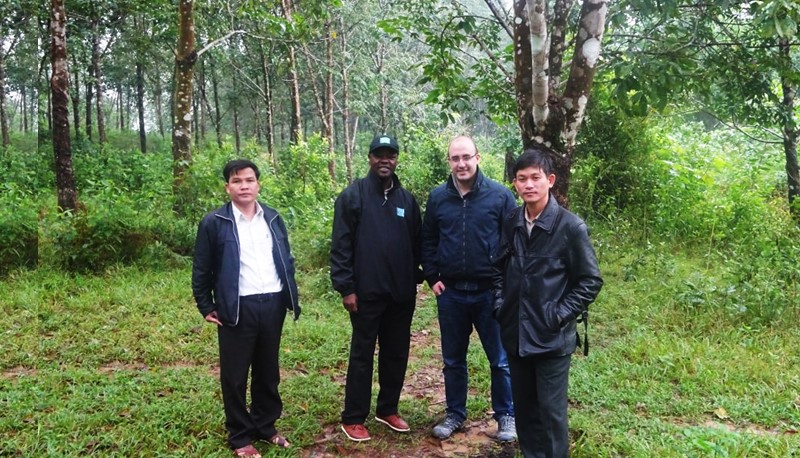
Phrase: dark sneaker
[356,433]
[447,427]
[506,428]
[394,422]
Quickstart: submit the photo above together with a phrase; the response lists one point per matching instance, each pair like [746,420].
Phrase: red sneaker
[395,422]
[356,433]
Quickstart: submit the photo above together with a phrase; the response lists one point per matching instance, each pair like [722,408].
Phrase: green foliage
[424,166]
[28,176]
[614,169]
[18,228]
[461,60]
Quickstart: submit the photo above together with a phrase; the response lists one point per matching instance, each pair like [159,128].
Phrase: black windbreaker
[375,245]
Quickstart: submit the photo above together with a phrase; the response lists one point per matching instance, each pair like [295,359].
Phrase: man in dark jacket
[243,282]
[374,266]
[460,236]
[545,278]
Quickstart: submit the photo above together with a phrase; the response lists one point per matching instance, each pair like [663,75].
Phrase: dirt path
[423,381]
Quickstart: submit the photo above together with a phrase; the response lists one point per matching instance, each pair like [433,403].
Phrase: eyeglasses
[463,158]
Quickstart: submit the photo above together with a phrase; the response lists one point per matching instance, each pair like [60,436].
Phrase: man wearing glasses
[460,237]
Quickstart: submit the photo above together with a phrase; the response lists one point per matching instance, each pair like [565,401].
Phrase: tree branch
[218,41]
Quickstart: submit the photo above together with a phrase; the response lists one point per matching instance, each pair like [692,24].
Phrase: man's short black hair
[538,156]
[233,167]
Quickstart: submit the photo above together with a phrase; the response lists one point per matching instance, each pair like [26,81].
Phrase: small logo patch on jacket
[401,212]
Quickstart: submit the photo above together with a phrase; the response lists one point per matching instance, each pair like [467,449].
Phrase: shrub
[18,228]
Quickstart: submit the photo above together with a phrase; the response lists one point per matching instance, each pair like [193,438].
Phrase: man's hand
[350,303]
[438,288]
[213,318]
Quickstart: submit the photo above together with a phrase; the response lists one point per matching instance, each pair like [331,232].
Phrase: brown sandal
[279,441]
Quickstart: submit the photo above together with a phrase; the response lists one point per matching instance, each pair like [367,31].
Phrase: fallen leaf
[721,413]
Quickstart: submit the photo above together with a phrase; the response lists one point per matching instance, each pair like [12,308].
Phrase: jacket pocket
[551,316]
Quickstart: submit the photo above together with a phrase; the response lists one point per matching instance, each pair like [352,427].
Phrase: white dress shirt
[257,271]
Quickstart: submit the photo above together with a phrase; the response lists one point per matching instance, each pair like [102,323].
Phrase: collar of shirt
[238,215]
[529,222]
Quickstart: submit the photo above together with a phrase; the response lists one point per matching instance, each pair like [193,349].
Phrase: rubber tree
[59,87]
[513,62]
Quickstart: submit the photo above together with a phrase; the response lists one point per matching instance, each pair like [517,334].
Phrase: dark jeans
[389,323]
[459,311]
[252,344]
[540,396]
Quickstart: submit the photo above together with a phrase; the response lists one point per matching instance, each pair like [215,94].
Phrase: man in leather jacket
[545,278]
[243,282]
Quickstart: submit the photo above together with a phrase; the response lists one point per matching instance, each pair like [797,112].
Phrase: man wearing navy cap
[375,257]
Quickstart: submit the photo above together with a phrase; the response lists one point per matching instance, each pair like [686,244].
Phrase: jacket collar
[226,211]
[476,185]
[546,220]
[375,181]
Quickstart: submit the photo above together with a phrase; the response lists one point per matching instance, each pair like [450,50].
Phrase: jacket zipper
[283,264]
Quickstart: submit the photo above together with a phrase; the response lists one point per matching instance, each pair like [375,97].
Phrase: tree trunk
[348,149]
[790,131]
[59,87]
[543,116]
[158,101]
[584,64]
[24,96]
[76,98]
[270,126]
[329,99]
[295,134]
[235,106]
[185,58]
[89,97]
[523,72]
[98,82]
[195,119]
[120,108]
[217,115]
[140,106]
[3,114]
[203,100]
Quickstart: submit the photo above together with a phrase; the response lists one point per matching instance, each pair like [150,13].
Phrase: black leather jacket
[544,282]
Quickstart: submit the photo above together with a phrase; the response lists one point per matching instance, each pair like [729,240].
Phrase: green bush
[18,228]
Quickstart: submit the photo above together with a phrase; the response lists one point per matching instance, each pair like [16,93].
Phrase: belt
[467,285]
[264,297]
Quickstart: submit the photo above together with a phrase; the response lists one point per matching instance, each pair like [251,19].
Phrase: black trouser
[390,323]
[252,343]
[539,387]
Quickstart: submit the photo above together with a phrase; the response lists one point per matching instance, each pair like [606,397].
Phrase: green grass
[121,364]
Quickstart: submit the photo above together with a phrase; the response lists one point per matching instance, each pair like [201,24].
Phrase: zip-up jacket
[460,235]
[544,281]
[215,271]
[375,242]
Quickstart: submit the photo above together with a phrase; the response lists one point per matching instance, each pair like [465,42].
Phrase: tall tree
[59,87]
[296,129]
[185,57]
[539,31]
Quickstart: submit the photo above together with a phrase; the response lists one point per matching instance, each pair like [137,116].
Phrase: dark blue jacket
[460,236]
[215,272]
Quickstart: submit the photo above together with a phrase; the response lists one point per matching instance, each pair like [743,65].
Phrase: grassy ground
[121,364]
